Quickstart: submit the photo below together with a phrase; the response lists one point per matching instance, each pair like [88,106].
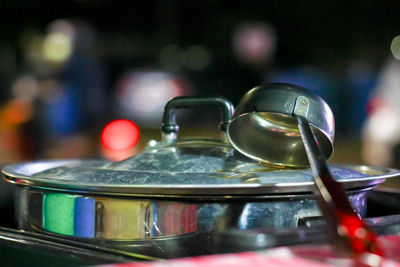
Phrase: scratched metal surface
[188,167]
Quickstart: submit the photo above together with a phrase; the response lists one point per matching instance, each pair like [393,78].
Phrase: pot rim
[20,174]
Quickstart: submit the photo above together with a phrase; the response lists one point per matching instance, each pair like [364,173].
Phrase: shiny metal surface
[250,134]
[245,181]
[263,126]
[80,177]
[334,204]
[122,220]
[169,127]
[193,168]
[172,195]
[234,240]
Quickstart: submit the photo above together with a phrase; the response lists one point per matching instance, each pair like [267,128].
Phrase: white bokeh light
[395,47]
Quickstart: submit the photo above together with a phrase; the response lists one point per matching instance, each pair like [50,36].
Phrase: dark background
[329,34]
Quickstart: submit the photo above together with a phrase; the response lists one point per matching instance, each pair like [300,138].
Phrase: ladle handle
[346,228]
[170,128]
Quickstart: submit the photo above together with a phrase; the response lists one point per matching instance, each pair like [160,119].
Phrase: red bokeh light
[120,135]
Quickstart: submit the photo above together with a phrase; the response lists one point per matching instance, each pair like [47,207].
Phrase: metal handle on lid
[170,128]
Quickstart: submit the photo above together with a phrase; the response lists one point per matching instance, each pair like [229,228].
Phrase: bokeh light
[254,43]
[16,112]
[197,57]
[25,87]
[141,95]
[120,135]
[171,57]
[395,47]
[58,44]
[57,47]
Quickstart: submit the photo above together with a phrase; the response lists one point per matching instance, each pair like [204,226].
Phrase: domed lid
[186,170]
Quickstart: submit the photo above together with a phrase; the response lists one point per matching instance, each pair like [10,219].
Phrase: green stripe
[58,213]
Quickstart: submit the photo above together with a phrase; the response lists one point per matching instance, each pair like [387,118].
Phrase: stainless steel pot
[173,194]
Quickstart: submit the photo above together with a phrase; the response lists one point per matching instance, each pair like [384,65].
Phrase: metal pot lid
[189,168]
[185,168]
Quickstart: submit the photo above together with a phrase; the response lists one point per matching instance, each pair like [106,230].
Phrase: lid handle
[170,129]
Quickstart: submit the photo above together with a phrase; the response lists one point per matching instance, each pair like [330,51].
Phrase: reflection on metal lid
[245,180]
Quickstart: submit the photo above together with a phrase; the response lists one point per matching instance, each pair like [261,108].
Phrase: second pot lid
[186,168]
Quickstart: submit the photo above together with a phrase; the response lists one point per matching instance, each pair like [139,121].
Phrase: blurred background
[89,78]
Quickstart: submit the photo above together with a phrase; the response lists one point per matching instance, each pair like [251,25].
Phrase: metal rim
[252,190]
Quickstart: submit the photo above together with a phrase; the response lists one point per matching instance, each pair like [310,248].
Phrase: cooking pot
[170,198]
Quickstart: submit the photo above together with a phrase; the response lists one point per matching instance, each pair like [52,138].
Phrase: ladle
[279,116]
